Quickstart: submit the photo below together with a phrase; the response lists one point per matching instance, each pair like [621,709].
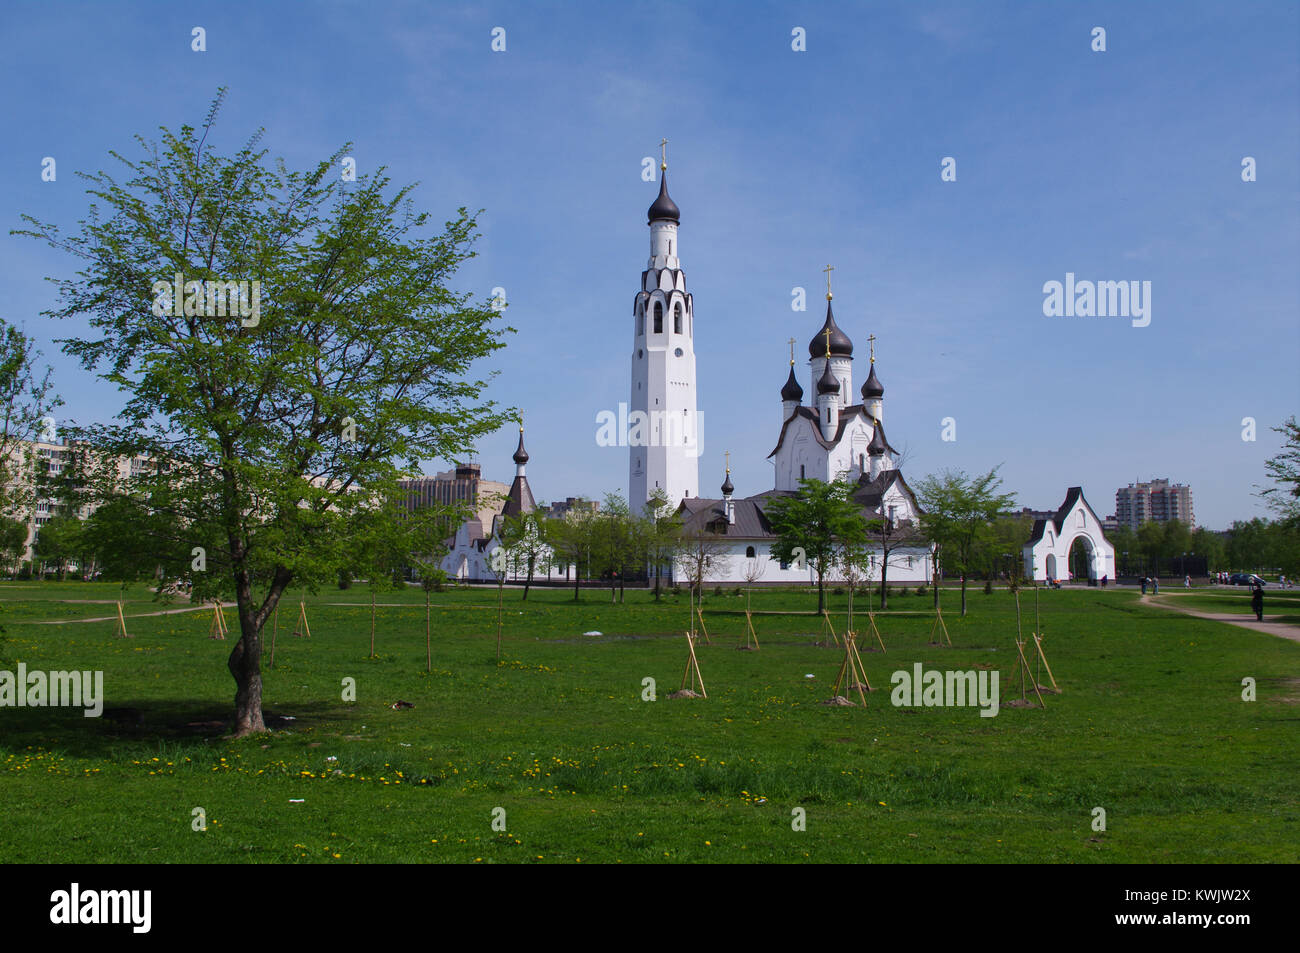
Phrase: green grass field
[1151,726]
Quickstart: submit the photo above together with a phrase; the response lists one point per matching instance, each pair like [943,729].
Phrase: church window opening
[862,462]
[659,318]
[1081,520]
[801,474]
[640,322]
[677,319]
[749,552]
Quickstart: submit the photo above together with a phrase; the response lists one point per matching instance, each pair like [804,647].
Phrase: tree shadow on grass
[133,724]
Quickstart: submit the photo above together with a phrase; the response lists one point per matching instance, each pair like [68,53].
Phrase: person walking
[1187,582]
[1144,585]
[1257,603]
[1155,586]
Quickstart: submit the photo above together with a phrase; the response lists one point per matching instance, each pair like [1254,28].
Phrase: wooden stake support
[940,625]
[1021,664]
[852,667]
[218,628]
[300,628]
[828,627]
[121,623]
[692,671]
[751,637]
[871,628]
[1038,644]
[699,612]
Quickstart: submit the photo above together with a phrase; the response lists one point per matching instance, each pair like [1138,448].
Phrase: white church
[830,438]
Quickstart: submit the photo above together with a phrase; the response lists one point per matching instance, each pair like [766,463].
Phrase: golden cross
[827,332]
[728,455]
[792,352]
[828,269]
[871,342]
[663,153]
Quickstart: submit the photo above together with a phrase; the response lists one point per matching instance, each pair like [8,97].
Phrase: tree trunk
[884,589]
[821,592]
[659,575]
[245,664]
[529,581]
[372,623]
[934,580]
[428,634]
[577,581]
[963,594]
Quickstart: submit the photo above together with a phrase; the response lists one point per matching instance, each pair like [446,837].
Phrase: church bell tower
[663,428]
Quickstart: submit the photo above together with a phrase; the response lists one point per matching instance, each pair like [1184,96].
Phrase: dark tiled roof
[1057,522]
[699,515]
[872,387]
[664,207]
[846,414]
[519,499]
[841,346]
[827,384]
[791,390]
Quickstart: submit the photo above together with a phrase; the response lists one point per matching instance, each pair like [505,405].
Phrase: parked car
[1245,579]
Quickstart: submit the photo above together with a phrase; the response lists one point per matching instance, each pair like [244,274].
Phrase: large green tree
[821,520]
[958,513]
[277,410]
[26,402]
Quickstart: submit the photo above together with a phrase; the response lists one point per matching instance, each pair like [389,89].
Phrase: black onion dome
[828,384]
[521,455]
[872,386]
[791,390]
[664,207]
[877,446]
[841,346]
[727,488]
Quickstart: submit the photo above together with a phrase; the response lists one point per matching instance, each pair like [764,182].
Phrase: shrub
[920,590]
[345,579]
[838,590]
[988,587]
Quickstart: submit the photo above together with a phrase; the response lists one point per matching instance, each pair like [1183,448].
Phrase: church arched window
[801,473]
[640,321]
[749,552]
[677,319]
[659,318]
[862,462]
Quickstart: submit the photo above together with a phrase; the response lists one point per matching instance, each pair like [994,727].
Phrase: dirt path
[1269,625]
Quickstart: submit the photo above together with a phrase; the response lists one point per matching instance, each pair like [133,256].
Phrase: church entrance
[1051,566]
[1083,559]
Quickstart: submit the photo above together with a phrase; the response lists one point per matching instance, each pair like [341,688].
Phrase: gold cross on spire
[827,332]
[663,154]
[871,342]
[792,352]
[828,269]
[728,455]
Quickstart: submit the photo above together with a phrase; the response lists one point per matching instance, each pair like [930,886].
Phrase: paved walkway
[1270,624]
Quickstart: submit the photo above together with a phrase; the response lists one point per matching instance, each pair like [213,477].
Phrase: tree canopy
[289,344]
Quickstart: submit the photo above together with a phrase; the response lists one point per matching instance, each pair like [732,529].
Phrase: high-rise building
[465,484]
[1157,500]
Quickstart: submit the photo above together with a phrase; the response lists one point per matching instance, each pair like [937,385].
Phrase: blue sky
[1122,165]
